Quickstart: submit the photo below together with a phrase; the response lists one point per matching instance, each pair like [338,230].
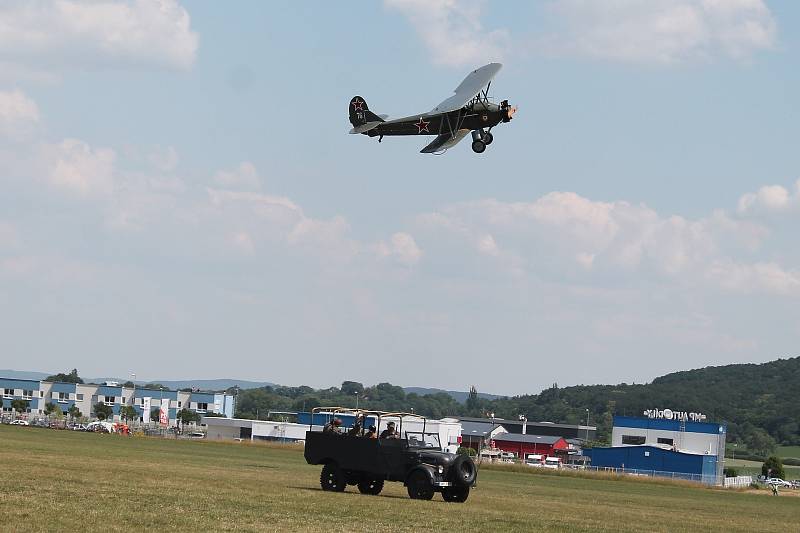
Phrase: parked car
[78,427]
[20,423]
[779,482]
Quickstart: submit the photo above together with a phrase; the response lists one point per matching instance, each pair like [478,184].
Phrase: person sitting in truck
[372,433]
[389,432]
[356,430]
[333,427]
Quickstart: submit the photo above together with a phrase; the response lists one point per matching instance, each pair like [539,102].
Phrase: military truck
[413,457]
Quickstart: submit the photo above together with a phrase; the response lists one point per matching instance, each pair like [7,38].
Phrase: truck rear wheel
[332,478]
[455,494]
[419,486]
[372,486]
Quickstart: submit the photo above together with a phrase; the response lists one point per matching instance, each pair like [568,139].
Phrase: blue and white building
[676,445]
[85,396]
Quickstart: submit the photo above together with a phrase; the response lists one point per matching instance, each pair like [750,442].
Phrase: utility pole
[587,425]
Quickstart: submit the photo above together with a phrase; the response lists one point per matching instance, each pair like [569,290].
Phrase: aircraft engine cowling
[507,111]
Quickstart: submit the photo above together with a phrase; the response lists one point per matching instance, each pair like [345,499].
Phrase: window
[632,439]
[8,393]
[79,397]
[179,405]
[27,395]
[201,407]
[63,397]
[662,440]
[41,394]
[108,400]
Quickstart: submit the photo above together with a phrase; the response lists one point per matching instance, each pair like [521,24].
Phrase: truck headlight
[441,470]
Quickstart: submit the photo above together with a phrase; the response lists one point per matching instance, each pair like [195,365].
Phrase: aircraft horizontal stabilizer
[363,128]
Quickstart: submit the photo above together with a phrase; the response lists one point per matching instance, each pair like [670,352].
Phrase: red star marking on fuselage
[422,125]
[358,105]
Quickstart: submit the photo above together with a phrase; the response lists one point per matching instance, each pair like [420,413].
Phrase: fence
[738,481]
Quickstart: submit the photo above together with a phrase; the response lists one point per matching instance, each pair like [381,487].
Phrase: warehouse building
[84,396]
[670,447]
[524,427]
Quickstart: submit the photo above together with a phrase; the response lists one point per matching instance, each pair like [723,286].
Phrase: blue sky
[183,200]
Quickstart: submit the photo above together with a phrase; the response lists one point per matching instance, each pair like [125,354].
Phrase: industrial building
[664,447]
[524,427]
[448,429]
[85,396]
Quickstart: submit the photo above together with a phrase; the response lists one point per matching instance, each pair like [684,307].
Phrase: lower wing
[444,141]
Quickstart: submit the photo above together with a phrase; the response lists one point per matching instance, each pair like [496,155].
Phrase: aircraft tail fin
[360,113]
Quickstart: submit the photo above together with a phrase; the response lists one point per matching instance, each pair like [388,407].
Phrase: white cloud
[46,35]
[243,177]
[758,277]
[662,32]
[769,199]
[401,247]
[78,167]
[18,114]
[452,30]
[565,236]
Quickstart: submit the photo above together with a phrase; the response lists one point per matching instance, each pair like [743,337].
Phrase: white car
[779,482]
[20,423]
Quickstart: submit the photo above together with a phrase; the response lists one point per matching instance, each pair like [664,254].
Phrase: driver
[389,432]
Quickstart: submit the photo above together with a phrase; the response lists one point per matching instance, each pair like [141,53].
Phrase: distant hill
[459,396]
[757,401]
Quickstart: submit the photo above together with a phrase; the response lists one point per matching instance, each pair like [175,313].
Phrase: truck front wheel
[419,486]
[455,494]
[332,478]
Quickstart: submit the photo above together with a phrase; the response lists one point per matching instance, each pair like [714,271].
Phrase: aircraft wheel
[488,138]
[478,146]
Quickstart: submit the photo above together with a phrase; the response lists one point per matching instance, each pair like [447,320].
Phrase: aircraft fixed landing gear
[480,140]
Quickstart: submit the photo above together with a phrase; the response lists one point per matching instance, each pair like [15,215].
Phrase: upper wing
[472,85]
[444,141]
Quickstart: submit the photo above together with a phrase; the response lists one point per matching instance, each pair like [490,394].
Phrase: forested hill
[760,403]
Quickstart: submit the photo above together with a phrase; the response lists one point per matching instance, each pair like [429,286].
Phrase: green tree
[19,406]
[74,412]
[187,416]
[760,442]
[350,388]
[103,411]
[71,377]
[155,414]
[473,401]
[50,408]
[128,413]
[773,467]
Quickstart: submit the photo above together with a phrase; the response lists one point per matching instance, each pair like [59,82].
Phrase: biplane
[467,110]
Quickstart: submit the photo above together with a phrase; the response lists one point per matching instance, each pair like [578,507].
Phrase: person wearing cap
[389,432]
[372,433]
[332,426]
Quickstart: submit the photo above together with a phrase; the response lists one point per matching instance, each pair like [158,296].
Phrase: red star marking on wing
[358,105]
[422,125]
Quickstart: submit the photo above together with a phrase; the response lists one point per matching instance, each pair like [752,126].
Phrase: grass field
[65,481]
[753,468]
[789,451]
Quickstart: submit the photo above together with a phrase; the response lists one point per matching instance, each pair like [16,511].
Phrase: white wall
[684,441]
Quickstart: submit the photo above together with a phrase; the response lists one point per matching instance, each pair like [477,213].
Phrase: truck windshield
[423,440]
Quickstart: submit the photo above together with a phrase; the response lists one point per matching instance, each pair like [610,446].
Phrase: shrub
[467,451]
[730,472]
[773,467]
